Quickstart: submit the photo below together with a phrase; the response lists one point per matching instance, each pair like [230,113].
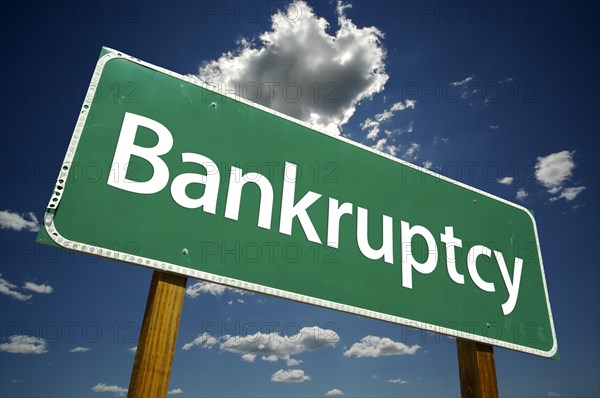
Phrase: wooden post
[156,346]
[477,370]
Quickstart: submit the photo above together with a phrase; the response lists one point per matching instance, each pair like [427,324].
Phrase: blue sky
[501,96]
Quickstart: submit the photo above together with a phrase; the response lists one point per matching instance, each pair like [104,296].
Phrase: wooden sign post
[156,346]
[477,370]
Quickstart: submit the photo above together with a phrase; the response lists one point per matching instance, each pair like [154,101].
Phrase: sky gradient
[500,96]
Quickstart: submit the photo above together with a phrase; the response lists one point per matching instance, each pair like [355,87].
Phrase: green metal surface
[233,133]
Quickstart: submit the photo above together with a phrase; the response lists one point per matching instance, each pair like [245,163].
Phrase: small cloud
[411,152]
[199,288]
[375,347]
[80,349]
[553,394]
[22,344]
[522,194]
[554,170]
[289,376]
[204,340]
[336,392]
[175,391]
[10,289]
[462,82]
[397,381]
[18,222]
[506,180]
[506,80]
[428,164]
[101,387]
[373,126]
[382,147]
[495,126]
[41,289]
[568,194]
[132,349]
[16,381]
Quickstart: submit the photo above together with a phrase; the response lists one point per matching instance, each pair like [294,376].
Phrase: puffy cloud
[522,194]
[273,347]
[290,376]
[320,83]
[374,347]
[335,392]
[41,289]
[80,349]
[17,222]
[175,391]
[101,387]
[428,164]
[22,344]
[554,170]
[10,289]
[204,340]
[397,381]
[506,180]
[270,347]
[568,194]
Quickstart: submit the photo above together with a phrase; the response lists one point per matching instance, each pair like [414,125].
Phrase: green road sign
[164,172]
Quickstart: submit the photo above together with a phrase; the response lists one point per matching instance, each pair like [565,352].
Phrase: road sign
[165,172]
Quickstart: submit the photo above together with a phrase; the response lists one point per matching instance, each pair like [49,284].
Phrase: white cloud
[397,381]
[506,80]
[41,289]
[522,194]
[22,344]
[175,391]
[389,149]
[568,194]
[101,387]
[335,392]
[374,126]
[554,170]
[199,288]
[374,347]
[428,164]
[462,82]
[204,340]
[495,126]
[411,152]
[506,180]
[17,222]
[9,289]
[553,394]
[132,349]
[80,349]
[289,376]
[270,347]
[333,71]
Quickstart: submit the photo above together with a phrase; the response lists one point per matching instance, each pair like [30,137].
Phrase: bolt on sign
[164,172]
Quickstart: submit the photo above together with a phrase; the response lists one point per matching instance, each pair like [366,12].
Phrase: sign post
[156,345]
[477,370]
